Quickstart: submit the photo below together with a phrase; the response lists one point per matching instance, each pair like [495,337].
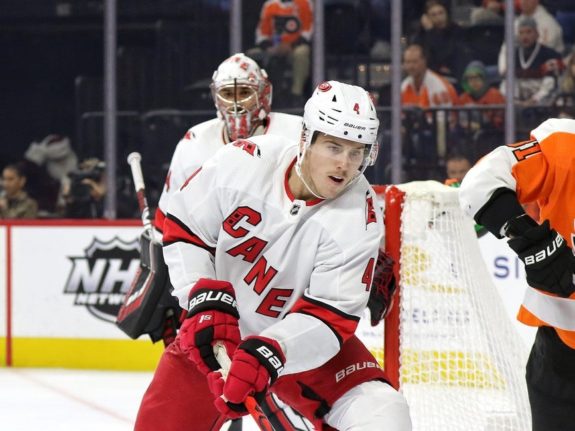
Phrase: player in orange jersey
[541,169]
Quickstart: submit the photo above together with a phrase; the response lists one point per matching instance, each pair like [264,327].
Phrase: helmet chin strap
[299,172]
[301,177]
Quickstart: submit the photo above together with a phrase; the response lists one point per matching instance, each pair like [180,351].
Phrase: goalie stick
[134,160]
[251,404]
[148,307]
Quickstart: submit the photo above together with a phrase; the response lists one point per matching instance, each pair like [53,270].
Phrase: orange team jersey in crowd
[491,97]
[292,20]
[434,91]
[539,170]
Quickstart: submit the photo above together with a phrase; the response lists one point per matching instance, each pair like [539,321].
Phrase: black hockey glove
[382,289]
[549,262]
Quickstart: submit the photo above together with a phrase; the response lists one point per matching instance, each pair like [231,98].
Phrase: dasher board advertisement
[67,282]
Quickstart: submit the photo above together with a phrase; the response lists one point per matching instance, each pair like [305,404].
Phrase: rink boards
[63,282]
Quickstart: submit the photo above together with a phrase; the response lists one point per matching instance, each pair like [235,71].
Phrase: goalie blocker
[149,308]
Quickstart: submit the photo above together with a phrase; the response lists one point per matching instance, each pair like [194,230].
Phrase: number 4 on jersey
[368,274]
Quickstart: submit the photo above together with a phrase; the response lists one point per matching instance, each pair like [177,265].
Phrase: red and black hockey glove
[212,316]
[549,262]
[255,367]
[382,289]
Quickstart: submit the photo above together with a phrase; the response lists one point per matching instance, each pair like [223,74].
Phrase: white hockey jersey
[201,142]
[301,270]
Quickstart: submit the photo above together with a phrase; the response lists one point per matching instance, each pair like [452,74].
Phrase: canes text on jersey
[250,249]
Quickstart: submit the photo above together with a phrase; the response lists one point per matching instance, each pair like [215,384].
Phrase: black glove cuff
[212,299]
[501,207]
[267,354]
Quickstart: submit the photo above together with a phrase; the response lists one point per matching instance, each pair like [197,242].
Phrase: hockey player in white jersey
[242,94]
[271,247]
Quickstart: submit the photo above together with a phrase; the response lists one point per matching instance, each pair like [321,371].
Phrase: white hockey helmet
[242,94]
[344,111]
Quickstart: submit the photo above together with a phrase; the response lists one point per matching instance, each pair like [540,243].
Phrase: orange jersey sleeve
[548,178]
[539,170]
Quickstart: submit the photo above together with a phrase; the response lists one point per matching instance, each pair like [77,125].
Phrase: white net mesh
[462,363]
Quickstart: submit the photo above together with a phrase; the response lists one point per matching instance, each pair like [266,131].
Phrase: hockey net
[450,346]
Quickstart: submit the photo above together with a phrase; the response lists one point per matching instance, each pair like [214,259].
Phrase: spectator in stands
[283,35]
[537,67]
[477,91]
[84,196]
[456,166]
[490,13]
[425,132]
[422,87]
[565,100]
[47,165]
[14,201]
[567,79]
[549,31]
[443,41]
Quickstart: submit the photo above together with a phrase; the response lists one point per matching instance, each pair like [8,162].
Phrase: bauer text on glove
[212,316]
[549,262]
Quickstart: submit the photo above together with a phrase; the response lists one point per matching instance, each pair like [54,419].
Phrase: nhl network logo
[100,279]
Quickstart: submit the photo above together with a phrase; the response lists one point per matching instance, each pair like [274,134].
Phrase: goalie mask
[242,94]
[343,111]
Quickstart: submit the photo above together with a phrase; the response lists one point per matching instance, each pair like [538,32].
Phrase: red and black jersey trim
[343,325]
[159,219]
[176,231]
[289,193]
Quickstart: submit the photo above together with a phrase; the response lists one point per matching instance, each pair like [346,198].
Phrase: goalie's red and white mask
[342,111]
[242,94]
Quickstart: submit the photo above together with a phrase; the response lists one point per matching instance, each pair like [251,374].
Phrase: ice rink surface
[72,400]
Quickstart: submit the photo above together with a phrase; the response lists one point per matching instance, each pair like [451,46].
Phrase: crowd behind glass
[452,94]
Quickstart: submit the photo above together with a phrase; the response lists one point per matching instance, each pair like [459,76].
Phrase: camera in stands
[80,191]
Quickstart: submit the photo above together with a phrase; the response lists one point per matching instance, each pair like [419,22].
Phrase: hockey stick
[250,403]
[134,160]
